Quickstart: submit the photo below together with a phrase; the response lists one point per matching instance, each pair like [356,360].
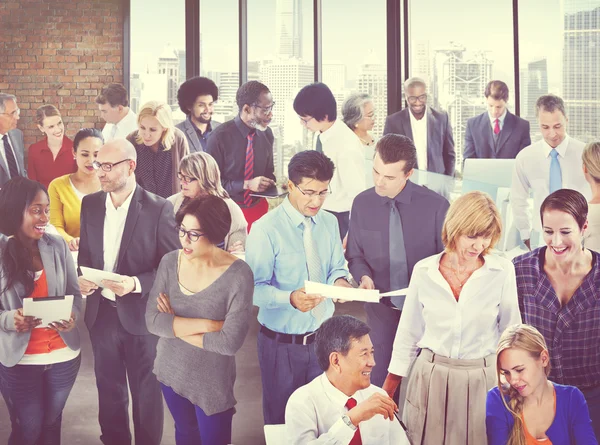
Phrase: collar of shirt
[110,207]
[432,264]
[295,216]
[561,148]
[415,121]
[244,129]
[335,395]
[331,131]
[501,119]
[404,197]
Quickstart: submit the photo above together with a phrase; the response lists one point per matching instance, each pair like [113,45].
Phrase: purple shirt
[572,332]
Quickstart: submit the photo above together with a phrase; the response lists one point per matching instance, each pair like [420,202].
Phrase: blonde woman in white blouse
[458,304]
[591,171]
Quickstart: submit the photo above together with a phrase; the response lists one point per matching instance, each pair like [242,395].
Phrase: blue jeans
[193,426]
[35,396]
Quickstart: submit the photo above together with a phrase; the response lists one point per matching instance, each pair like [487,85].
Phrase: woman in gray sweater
[200,307]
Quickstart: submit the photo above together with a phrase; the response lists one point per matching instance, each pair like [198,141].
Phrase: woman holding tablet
[37,366]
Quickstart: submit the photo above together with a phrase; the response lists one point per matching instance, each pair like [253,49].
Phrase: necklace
[367,142]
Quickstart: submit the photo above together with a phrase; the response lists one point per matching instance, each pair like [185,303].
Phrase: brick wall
[60,52]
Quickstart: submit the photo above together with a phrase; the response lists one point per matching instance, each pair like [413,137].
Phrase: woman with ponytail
[37,366]
[528,409]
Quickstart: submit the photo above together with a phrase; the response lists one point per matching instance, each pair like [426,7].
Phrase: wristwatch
[348,422]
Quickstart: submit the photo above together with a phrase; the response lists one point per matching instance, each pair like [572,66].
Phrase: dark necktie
[398,263]
[356,440]
[319,147]
[13,169]
[249,168]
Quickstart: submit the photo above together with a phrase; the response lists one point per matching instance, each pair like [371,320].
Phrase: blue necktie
[555,173]
[398,262]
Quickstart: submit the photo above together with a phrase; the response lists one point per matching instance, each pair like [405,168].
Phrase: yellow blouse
[65,208]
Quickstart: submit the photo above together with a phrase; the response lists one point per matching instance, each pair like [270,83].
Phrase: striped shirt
[572,332]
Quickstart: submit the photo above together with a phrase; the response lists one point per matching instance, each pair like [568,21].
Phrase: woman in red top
[38,364]
[53,156]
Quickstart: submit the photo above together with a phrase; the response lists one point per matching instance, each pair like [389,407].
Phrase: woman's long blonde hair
[528,339]
[162,112]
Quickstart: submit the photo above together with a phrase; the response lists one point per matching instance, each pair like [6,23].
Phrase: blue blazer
[571,425]
[479,138]
[441,156]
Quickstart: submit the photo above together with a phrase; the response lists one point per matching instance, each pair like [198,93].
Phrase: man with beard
[126,230]
[243,149]
[197,97]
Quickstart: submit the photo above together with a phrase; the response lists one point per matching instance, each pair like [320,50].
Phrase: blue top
[275,253]
[571,424]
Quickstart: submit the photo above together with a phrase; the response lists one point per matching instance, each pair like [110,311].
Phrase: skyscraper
[534,83]
[372,79]
[581,59]
[288,28]
[168,64]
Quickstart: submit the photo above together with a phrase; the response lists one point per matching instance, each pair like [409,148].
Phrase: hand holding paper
[342,293]
[48,309]
[304,301]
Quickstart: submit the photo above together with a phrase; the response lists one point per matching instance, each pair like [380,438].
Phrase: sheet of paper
[49,309]
[96,276]
[240,255]
[395,293]
[342,293]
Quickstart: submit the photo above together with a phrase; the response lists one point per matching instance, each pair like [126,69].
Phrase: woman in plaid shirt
[559,293]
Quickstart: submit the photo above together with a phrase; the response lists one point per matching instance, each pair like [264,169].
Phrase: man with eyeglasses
[12,146]
[243,149]
[393,226]
[125,230]
[496,133]
[429,129]
[317,109]
[293,243]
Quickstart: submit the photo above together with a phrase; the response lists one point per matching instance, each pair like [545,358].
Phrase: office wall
[60,52]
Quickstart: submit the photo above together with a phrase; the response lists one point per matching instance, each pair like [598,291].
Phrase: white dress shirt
[346,151]
[592,234]
[419,132]
[114,225]
[123,127]
[313,415]
[465,329]
[532,173]
[500,120]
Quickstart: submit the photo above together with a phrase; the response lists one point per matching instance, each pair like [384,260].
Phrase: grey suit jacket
[479,137]
[16,139]
[190,133]
[441,157]
[62,280]
[149,233]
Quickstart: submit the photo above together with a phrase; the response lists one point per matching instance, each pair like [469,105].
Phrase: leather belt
[297,339]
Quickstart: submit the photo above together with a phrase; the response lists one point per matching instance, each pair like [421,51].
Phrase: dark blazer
[148,235]
[441,157]
[479,137]
[16,139]
[195,144]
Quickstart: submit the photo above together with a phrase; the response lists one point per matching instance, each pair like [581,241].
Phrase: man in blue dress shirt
[291,244]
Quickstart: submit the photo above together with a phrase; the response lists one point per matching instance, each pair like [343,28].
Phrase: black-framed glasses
[413,99]
[106,166]
[186,179]
[311,194]
[265,109]
[192,235]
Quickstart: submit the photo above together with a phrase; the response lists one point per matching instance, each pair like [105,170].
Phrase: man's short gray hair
[353,108]
[3,98]
[414,82]
[549,103]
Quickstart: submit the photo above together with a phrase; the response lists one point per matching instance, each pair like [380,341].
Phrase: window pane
[157,63]
[354,53]
[219,52]
[281,55]
[458,51]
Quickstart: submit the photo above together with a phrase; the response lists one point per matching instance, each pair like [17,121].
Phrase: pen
[400,420]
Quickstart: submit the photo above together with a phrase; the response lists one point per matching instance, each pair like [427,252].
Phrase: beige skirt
[445,399]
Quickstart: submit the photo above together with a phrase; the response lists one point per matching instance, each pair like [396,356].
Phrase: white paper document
[48,309]
[396,293]
[341,293]
[96,276]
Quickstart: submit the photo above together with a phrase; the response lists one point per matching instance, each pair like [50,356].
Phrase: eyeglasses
[191,235]
[413,99]
[184,178]
[106,166]
[267,110]
[305,121]
[311,194]
[14,113]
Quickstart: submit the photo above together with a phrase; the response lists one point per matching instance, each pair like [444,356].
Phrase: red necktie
[249,168]
[497,127]
[356,440]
